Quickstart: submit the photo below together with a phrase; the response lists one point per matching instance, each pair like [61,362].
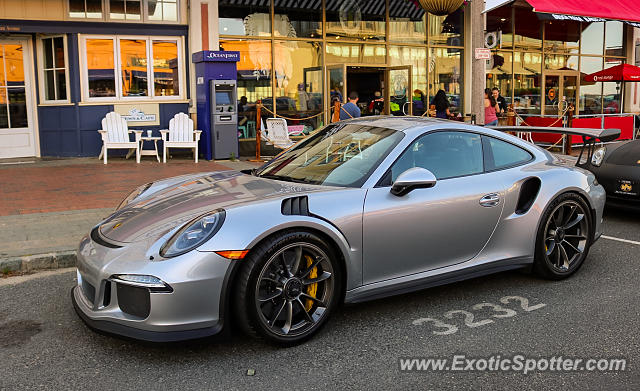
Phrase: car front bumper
[193,307]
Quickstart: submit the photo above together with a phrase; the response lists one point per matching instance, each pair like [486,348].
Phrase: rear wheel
[287,288]
[564,237]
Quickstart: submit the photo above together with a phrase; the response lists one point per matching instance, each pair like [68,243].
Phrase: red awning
[622,72]
[606,9]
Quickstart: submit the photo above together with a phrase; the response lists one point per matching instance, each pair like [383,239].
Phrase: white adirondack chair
[115,135]
[180,135]
[277,133]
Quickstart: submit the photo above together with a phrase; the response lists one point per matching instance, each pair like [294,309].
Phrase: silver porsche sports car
[362,209]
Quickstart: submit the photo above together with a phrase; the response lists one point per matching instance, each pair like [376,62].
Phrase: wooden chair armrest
[197,133]
[103,134]
[164,133]
[137,133]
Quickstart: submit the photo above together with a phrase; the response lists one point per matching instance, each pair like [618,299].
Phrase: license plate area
[626,187]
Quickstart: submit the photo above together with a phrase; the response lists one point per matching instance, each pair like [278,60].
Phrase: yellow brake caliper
[312,289]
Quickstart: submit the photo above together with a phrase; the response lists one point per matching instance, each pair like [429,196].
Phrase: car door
[435,227]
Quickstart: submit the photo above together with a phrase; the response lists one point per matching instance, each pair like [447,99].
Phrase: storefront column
[478,66]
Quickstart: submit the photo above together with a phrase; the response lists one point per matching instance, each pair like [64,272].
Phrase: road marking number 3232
[442,328]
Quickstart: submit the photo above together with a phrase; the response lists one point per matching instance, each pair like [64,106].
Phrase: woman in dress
[490,107]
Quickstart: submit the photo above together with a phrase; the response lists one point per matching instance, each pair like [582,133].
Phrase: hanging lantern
[440,7]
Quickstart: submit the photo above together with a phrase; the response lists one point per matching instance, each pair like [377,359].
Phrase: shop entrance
[560,90]
[393,84]
[17,133]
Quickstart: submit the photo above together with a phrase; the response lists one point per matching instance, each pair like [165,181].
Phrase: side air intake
[528,193]
[295,206]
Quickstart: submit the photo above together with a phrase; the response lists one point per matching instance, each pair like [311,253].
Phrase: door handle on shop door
[490,200]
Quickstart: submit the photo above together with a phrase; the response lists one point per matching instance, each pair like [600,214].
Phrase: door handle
[490,200]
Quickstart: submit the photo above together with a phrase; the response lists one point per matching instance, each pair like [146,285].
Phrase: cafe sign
[143,114]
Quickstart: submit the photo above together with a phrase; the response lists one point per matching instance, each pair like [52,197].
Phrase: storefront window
[298,69]
[528,29]
[561,62]
[13,106]
[356,19]
[500,21]
[527,68]
[407,22]
[165,68]
[298,18]
[447,30]
[236,17]
[614,36]
[499,72]
[133,65]
[590,92]
[592,38]
[355,53]
[125,9]
[611,91]
[254,81]
[446,73]
[562,36]
[101,69]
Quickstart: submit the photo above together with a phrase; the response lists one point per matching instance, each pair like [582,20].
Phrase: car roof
[403,123]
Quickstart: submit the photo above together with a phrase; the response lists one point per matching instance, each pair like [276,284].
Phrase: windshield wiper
[289,179]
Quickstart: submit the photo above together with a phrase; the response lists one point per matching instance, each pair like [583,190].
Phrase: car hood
[154,215]
[624,154]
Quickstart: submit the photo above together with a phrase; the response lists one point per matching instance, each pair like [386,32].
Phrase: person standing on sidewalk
[350,109]
[490,107]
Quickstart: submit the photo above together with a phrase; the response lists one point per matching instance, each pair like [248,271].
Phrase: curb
[28,263]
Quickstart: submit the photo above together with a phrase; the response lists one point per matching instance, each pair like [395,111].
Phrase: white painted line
[8,163]
[621,240]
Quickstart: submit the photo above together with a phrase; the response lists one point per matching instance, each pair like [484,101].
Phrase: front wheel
[288,287]
[564,237]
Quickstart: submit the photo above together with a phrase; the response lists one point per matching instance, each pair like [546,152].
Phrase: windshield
[338,155]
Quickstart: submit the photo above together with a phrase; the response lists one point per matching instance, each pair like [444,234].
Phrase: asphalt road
[594,314]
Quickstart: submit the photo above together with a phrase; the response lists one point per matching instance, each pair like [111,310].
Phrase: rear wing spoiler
[589,136]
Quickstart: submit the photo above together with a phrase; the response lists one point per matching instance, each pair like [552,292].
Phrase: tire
[287,288]
[564,237]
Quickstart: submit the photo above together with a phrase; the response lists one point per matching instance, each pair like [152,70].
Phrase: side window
[445,154]
[506,154]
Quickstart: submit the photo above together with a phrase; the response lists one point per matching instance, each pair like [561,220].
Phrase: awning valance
[583,10]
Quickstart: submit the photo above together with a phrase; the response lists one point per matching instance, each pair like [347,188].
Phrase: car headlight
[193,234]
[133,195]
[598,156]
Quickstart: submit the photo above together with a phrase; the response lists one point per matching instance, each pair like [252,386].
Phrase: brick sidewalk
[84,183]
[47,206]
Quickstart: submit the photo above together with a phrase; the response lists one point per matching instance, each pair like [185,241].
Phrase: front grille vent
[298,206]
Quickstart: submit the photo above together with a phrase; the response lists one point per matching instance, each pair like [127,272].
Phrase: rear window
[505,155]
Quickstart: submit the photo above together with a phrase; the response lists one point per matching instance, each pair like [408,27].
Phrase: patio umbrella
[619,73]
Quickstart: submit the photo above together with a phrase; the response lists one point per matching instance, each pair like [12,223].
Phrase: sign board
[141,114]
[216,56]
[483,54]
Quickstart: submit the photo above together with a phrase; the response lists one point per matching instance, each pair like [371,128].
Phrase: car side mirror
[413,178]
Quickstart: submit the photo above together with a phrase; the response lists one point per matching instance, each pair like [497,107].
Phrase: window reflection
[590,93]
[133,63]
[356,19]
[445,73]
[614,35]
[13,104]
[612,91]
[500,21]
[561,62]
[165,68]
[417,58]
[407,22]
[125,9]
[163,10]
[355,53]
[101,69]
[447,30]
[527,68]
[592,38]
[528,29]
[254,81]
[562,36]
[298,18]
[236,17]
[499,72]
[298,69]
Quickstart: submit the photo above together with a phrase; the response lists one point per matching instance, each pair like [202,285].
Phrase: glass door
[569,91]
[560,89]
[336,85]
[17,138]
[399,92]
[551,93]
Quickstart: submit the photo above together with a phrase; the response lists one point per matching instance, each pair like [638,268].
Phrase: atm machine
[217,102]
[224,117]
